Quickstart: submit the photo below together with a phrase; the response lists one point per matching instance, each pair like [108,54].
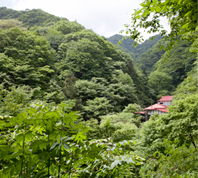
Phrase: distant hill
[70,47]
[149,58]
[135,52]
[30,18]
[66,61]
[155,63]
[178,63]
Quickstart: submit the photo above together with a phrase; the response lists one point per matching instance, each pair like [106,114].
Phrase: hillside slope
[64,61]
[135,52]
[30,18]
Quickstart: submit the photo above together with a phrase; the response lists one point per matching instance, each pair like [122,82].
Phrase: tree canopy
[68,99]
[181,14]
[135,52]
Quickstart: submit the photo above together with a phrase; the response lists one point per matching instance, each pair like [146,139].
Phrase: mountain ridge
[135,52]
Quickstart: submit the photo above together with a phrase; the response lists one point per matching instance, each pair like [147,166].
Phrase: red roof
[166,98]
[140,112]
[156,107]
[163,110]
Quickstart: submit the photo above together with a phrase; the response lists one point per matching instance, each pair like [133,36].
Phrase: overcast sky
[104,17]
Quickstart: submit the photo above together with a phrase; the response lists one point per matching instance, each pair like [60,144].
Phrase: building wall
[155,112]
[165,103]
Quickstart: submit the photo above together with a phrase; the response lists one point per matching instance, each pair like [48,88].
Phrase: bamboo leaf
[59,146]
[66,146]
[54,145]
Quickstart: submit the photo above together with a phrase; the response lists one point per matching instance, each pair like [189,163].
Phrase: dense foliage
[182,17]
[179,62]
[167,72]
[68,99]
[135,52]
[29,18]
[149,58]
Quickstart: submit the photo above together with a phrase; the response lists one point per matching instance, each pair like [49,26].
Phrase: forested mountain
[29,18]
[165,71]
[135,52]
[154,59]
[52,57]
[68,99]
[149,58]
[178,63]
[169,70]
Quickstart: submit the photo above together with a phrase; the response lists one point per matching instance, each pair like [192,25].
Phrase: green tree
[126,118]
[182,16]
[116,127]
[67,27]
[169,164]
[125,79]
[16,99]
[30,59]
[120,95]
[161,82]
[132,108]
[189,86]
[55,38]
[135,52]
[97,107]
[10,23]
[179,62]
[179,125]
[37,137]
[68,84]
[148,59]
[88,90]
[36,17]
[86,59]
[183,125]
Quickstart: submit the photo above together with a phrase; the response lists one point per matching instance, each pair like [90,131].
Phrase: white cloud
[104,17]
[7,3]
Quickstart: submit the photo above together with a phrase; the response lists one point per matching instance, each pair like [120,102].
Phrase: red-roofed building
[165,100]
[140,112]
[158,108]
